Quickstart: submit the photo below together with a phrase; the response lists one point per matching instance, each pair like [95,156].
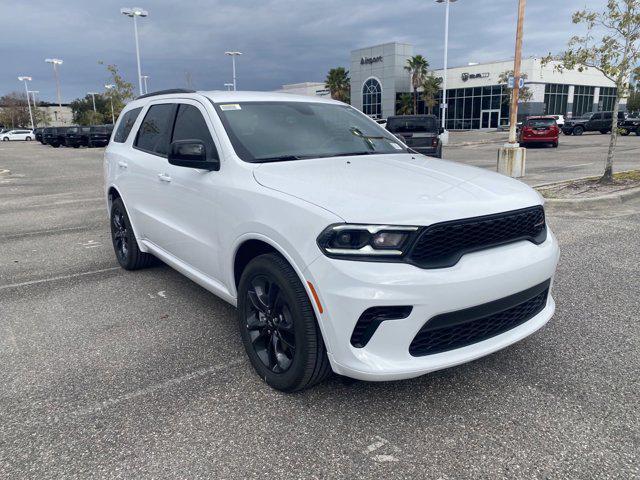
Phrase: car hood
[396,188]
[576,120]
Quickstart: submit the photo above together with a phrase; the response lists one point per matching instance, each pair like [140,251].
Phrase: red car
[539,130]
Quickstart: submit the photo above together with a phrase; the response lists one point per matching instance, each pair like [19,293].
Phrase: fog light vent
[371,319]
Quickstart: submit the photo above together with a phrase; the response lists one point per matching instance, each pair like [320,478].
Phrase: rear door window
[190,125]
[155,131]
[126,124]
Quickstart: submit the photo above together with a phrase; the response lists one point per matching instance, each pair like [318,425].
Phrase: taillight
[527,130]
[434,142]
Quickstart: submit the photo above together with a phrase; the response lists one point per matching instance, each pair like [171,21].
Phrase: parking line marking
[97,407]
[579,165]
[53,279]
[49,230]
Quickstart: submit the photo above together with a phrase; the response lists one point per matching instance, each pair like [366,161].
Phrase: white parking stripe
[53,279]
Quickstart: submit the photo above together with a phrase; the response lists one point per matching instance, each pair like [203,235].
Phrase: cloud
[284,41]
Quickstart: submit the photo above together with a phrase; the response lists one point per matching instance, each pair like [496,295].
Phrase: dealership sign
[370,60]
[470,76]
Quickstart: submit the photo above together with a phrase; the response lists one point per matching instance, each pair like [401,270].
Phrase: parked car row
[8,134]
[75,136]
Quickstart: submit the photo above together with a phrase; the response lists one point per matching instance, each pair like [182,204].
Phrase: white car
[341,249]
[559,120]
[17,135]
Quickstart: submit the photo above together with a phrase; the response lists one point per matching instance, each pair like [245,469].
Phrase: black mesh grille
[465,327]
[443,244]
[371,319]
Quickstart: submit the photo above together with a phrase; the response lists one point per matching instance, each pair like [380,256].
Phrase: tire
[554,144]
[55,145]
[278,326]
[28,139]
[578,130]
[125,246]
[624,132]
[604,132]
[5,139]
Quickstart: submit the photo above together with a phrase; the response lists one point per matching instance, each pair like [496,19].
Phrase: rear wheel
[578,130]
[5,139]
[624,132]
[555,144]
[28,139]
[278,326]
[129,255]
[604,132]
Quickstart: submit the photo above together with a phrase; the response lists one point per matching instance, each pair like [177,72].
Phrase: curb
[602,200]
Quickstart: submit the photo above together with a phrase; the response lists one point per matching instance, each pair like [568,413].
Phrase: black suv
[419,132]
[99,135]
[54,136]
[630,125]
[37,132]
[77,136]
[590,122]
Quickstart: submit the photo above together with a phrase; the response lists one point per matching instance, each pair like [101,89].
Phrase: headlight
[349,240]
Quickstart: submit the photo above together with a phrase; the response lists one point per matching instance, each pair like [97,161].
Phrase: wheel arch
[112,195]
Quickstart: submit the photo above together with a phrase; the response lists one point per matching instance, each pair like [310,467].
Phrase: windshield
[412,124]
[99,129]
[540,122]
[282,131]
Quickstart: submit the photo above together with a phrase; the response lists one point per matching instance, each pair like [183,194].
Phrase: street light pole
[113,117]
[26,89]
[445,133]
[512,157]
[134,13]
[145,77]
[55,62]
[35,104]
[93,96]
[233,56]
[513,114]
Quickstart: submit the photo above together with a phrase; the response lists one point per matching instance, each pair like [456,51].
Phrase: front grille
[443,244]
[465,327]
[371,319]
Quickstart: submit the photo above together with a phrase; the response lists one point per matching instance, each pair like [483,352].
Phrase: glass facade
[582,100]
[607,98]
[372,98]
[471,108]
[555,99]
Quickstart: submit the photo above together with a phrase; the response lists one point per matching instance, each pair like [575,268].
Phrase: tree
[610,45]
[83,114]
[121,92]
[417,67]
[339,84]
[524,94]
[404,104]
[430,89]
[14,111]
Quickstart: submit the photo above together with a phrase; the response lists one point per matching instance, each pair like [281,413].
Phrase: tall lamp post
[26,89]
[35,104]
[113,117]
[55,62]
[93,96]
[512,157]
[144,79]
[228,86]
[233,56]
[134,13]
[445,133]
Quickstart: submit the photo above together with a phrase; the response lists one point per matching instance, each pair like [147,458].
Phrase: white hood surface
[396,189]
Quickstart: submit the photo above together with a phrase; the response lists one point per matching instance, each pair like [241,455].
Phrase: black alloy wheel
[578,130]
[125,246]
[278,325]
[270,324]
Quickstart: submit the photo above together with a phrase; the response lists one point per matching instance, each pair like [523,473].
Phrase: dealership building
[475,97]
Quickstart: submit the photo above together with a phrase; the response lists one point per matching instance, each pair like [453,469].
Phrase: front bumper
[347,288]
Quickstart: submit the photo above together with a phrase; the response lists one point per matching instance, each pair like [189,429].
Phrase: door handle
[122,164]
[163,177]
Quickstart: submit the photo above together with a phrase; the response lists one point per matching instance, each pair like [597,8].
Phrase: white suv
[342,249]
[17,135]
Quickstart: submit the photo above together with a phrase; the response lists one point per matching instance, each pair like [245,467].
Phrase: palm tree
[430,89]
[417,67]
[339,84]
[404,104]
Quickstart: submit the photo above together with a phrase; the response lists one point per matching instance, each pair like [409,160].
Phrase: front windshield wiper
[367,138]
[281,158]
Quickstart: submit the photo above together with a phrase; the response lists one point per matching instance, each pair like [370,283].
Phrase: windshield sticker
[396,146]
[230,106]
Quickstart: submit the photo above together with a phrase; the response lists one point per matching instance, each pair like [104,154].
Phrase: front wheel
[278,326]
[5,139]
[128,254]
[554,144]
[578,131]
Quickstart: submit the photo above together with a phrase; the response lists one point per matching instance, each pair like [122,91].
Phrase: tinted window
[155,130]
[540,122]
[596,116]
[412,124]
[607,115]
[190,125]
[126,124]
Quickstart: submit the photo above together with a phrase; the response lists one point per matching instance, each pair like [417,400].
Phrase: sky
[283,41]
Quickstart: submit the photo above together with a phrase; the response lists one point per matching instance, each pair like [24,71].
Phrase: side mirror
[192,154]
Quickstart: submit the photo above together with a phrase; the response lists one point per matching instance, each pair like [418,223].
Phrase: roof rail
[165,92]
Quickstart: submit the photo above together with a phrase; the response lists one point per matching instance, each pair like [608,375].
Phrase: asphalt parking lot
[108,373]
[576,156]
